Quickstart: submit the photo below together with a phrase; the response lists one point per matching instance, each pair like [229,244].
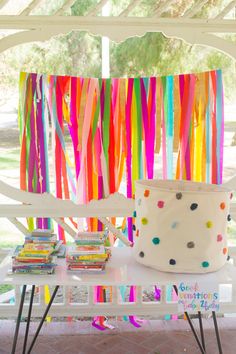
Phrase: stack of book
[89,253]
[36,255]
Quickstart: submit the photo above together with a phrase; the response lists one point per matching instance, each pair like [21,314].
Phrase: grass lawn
[10,159]
[5,288]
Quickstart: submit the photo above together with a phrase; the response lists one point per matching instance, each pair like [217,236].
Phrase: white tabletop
[121,269]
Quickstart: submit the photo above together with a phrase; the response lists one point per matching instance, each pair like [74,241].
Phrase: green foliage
[81,7]
[137,56]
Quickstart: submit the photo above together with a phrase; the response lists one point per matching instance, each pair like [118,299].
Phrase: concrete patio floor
[154,337]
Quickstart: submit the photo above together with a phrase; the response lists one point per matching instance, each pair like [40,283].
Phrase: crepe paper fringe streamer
[157,293]
[34,172]
[132,298]
[117,125]
[47,297]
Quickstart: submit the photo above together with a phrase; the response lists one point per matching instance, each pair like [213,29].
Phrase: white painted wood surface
[121,270]
[119,28]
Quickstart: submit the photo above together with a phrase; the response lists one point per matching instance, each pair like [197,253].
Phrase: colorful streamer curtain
[117,127]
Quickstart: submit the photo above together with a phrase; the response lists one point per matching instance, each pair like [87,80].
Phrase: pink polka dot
[219,238]
[160,204]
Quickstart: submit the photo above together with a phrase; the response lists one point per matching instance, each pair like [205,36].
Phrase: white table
[121,269]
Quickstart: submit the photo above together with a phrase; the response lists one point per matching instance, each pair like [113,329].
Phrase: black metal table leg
[28,319]
[18,320]
[43,319]
[195,333]
[217,332]
[201,330]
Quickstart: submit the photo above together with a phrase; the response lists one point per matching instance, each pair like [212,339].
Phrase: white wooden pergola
[27,26]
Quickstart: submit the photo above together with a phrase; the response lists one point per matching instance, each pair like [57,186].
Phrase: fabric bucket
[181,225]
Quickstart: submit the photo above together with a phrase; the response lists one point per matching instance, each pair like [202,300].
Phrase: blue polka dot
[174,225]
[134,214]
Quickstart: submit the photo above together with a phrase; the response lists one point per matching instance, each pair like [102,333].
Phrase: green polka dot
[144,221]
[156,240]
[205,264]
[209,224]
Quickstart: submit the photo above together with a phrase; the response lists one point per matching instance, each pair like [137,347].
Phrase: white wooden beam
[79,211]
[19,226]
[205,39]
[27,37]
[223,45]
[64,7]
[29,8]
[94,11]
[108,25]
[226,10]
[3,3]
[118,29]
[65,226]
[194,9]
[163,8]
[46,205]
[129,8]
[106,47]
[115,231]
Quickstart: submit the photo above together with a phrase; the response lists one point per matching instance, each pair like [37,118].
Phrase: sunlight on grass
[10,159]
[4,288]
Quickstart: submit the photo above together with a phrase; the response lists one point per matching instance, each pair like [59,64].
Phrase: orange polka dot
[137,233]
[222,205]
[225,250]
[146,193]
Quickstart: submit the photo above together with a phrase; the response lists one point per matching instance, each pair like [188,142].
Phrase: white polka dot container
[180,226]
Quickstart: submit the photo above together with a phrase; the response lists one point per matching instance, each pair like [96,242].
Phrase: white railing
[114,308]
